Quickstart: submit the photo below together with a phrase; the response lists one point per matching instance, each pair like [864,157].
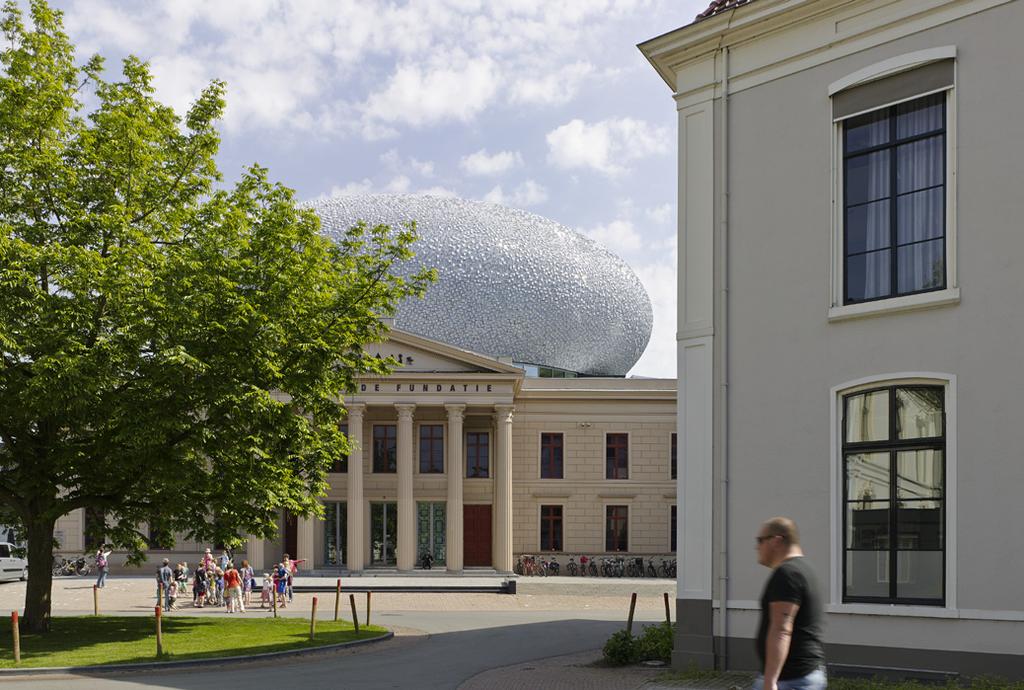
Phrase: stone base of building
[867,661]
[694,645]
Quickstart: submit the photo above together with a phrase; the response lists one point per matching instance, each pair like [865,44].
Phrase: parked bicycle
[551,567]
[77,566]
[571,568]
[635,567]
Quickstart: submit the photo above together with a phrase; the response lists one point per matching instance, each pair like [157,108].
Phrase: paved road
[458,645]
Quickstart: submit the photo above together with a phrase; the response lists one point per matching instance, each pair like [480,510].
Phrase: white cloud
[605,146]
[529,193]
[289,65]
[393,161]
[619,236]
[436,190]
[396,185]
[420,96]
[553,88]
[483,163]
[659,279]
[661,215]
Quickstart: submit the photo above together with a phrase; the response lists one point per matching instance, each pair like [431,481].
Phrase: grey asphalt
[457,646]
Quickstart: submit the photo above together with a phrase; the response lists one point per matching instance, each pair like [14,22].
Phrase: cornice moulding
[771,39]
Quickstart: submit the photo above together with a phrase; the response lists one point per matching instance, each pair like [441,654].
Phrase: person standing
[789,637]
[200,586]
[233,590]
[103,566]
[163,584]
[248,582]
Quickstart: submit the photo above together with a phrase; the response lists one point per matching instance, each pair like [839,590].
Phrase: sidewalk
[137,595]
[583,670]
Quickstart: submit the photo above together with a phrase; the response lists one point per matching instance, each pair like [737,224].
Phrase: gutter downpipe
[723,249]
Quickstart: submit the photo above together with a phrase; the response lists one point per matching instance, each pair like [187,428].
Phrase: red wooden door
[476,532]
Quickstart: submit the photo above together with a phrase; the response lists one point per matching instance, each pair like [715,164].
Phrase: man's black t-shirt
[795,582]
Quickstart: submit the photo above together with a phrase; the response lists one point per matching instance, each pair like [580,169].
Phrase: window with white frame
[894,495]
[894,199]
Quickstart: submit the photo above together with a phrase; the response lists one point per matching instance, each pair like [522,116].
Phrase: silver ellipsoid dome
[511,283]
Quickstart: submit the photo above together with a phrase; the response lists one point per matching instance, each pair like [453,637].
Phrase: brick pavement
[569,672]
[137,595]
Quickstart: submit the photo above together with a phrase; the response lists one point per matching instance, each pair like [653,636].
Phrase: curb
[187,663]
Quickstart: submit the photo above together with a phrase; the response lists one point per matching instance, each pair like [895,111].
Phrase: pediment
[418,355]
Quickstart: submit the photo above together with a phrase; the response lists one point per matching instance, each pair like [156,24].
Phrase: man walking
[789,635]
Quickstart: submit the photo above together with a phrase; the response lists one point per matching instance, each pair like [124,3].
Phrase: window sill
[893,610]
[924,612]
[925,300]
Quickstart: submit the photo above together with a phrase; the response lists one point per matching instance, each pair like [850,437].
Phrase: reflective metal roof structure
[511,283]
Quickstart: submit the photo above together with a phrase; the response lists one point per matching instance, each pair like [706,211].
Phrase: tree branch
[174,185]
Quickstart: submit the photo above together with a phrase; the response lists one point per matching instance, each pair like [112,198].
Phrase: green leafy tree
[173,353]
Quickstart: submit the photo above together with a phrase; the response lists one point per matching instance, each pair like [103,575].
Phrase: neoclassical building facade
[509,425]
[475,462]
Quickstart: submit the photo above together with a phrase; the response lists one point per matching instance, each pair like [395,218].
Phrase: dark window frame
[616,455]
[551,527]
[473,446]
[613,514]
[673,455]
[552,443]
[434,441]
[94,528]
[385,449]
[893,445]
[893,247]
[673,526]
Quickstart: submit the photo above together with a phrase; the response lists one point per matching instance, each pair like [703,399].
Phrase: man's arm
[781,615]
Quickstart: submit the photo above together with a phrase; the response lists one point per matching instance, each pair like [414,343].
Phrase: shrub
[621,649]
[655,642]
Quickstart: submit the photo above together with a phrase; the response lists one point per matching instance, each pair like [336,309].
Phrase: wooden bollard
[632,610]
[367,621]
[355,617]
[17,637]
[312,621]
[337,600]
[668,614]
[273,598]
[95,600]
[159,632]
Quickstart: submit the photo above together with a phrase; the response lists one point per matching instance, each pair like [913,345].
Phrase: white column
[696,344]
[305,542]
[503,489]
[354,557]
[254,552]
[406,552]
[454,537]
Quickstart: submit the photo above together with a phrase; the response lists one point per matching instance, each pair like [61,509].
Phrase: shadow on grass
[89,640]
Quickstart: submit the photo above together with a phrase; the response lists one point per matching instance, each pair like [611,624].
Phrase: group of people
[217,582]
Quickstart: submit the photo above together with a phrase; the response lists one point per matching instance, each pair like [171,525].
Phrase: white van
[11,567]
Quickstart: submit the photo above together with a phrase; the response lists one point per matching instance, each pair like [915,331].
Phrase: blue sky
[537,105]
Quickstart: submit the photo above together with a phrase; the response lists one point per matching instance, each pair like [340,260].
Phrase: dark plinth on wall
[695,635]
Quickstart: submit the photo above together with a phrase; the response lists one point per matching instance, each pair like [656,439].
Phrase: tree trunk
[40,576]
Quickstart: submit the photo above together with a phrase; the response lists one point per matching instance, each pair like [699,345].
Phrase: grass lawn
[90,641]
